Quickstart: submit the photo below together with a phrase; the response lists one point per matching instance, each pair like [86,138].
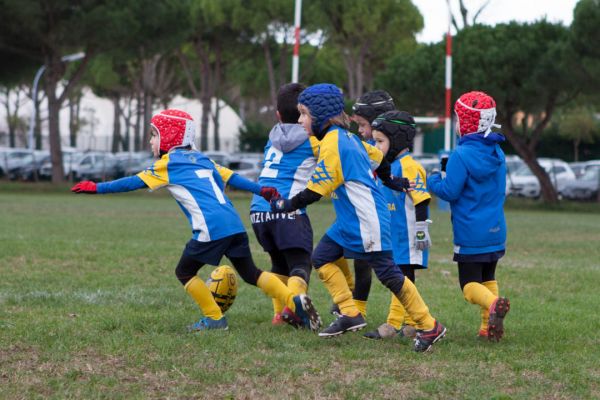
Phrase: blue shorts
[211,252]
[282,231]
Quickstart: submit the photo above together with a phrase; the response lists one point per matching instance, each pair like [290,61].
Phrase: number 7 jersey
[197,185]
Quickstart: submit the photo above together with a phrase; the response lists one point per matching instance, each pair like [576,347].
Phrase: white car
[524,183]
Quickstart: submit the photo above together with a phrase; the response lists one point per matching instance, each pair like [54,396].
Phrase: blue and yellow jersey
[402,209]
[344,172]
[288,172]
[197,185]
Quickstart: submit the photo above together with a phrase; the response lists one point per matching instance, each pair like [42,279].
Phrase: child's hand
[400,184]
[422,238]
[282,205]
[88,187]
[269,193]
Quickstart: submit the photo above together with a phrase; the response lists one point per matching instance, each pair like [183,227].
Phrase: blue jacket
[475,188]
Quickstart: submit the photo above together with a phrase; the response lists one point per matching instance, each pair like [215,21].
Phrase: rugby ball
[223,286]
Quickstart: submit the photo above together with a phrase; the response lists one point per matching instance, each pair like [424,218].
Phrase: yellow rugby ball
[223,286]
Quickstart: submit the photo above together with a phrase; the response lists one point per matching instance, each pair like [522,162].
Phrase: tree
[579,125]
[366,34]
[584,37]
[464,14]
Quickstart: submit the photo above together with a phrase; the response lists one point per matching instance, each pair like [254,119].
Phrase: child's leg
[324,256]
[391,276]
[300,266]
[342,263]
[470,278]
[279,268]
[186,271]
[397,315]
[489,281]
[362,272]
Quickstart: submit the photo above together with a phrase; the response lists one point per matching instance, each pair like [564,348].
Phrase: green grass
[90,308]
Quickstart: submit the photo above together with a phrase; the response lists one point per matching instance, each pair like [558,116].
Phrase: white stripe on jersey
[185,198]
[362,199]
[302,175]
[415,256]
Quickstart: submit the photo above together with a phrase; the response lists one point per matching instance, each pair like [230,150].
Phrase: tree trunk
[38,125]
[576,143]
[138,119]
[270,73]
[58,174]
[216,115]
[74,108]
[116,139]
[148,102]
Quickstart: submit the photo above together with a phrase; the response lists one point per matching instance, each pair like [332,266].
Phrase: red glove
[268,193]
[88,187]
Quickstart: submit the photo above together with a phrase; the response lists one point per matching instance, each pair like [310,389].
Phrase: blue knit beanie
[324,101]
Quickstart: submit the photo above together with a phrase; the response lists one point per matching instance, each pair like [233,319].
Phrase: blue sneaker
[209,323]
[305,316]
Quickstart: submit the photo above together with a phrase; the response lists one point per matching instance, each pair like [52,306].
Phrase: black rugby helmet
[373,103]
[399,127]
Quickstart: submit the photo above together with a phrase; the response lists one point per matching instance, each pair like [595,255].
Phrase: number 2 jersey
[289,160]
[197,184]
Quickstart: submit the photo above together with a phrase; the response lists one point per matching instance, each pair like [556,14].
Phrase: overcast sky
[435,13]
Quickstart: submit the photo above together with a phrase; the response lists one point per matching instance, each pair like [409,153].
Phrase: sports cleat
[343,324]
[208,323]
[306,316]
[277,320]
[498,311]
[335,310]
[425,339]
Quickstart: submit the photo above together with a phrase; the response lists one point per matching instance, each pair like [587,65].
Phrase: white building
[97,112]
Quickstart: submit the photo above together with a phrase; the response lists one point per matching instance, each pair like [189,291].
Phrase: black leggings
[189,267]
[408,272]
[362,280]
[476,272]
[291,262]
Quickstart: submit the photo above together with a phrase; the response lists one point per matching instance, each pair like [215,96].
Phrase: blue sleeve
[126,184]
[450,187]
[239,182]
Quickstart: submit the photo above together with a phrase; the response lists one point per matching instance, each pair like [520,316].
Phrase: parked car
[95,165]
[247,167]
[139,165]
[513,163]
[586,187]
[29,170]
[69,157]
[128,161]
[525,183]
[581,167]
[11,158]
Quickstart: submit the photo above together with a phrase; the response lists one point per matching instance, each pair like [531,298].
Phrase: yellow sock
[203,297]
[415,306]
[276,289]
[485,311]
[334,281]
[397,313]
[342,264]
[297,285]
[277,304]
[362,306]
[476,293]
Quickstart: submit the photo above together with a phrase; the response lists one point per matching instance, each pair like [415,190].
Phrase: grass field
[90,308]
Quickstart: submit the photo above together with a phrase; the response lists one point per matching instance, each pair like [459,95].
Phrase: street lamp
[36,80]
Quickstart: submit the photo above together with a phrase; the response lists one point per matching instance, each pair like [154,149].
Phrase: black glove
[399,184]
[444,162]
[282,205]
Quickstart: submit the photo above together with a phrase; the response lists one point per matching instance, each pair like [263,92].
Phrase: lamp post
[36,81]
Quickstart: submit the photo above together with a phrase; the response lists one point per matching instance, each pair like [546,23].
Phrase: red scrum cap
[175,129]
[476,112]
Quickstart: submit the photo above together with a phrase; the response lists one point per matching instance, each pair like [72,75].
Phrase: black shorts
[211,252]
[282,231]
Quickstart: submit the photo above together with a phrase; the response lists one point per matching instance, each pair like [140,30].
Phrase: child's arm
[450,187]
[126,184]
[239,182]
